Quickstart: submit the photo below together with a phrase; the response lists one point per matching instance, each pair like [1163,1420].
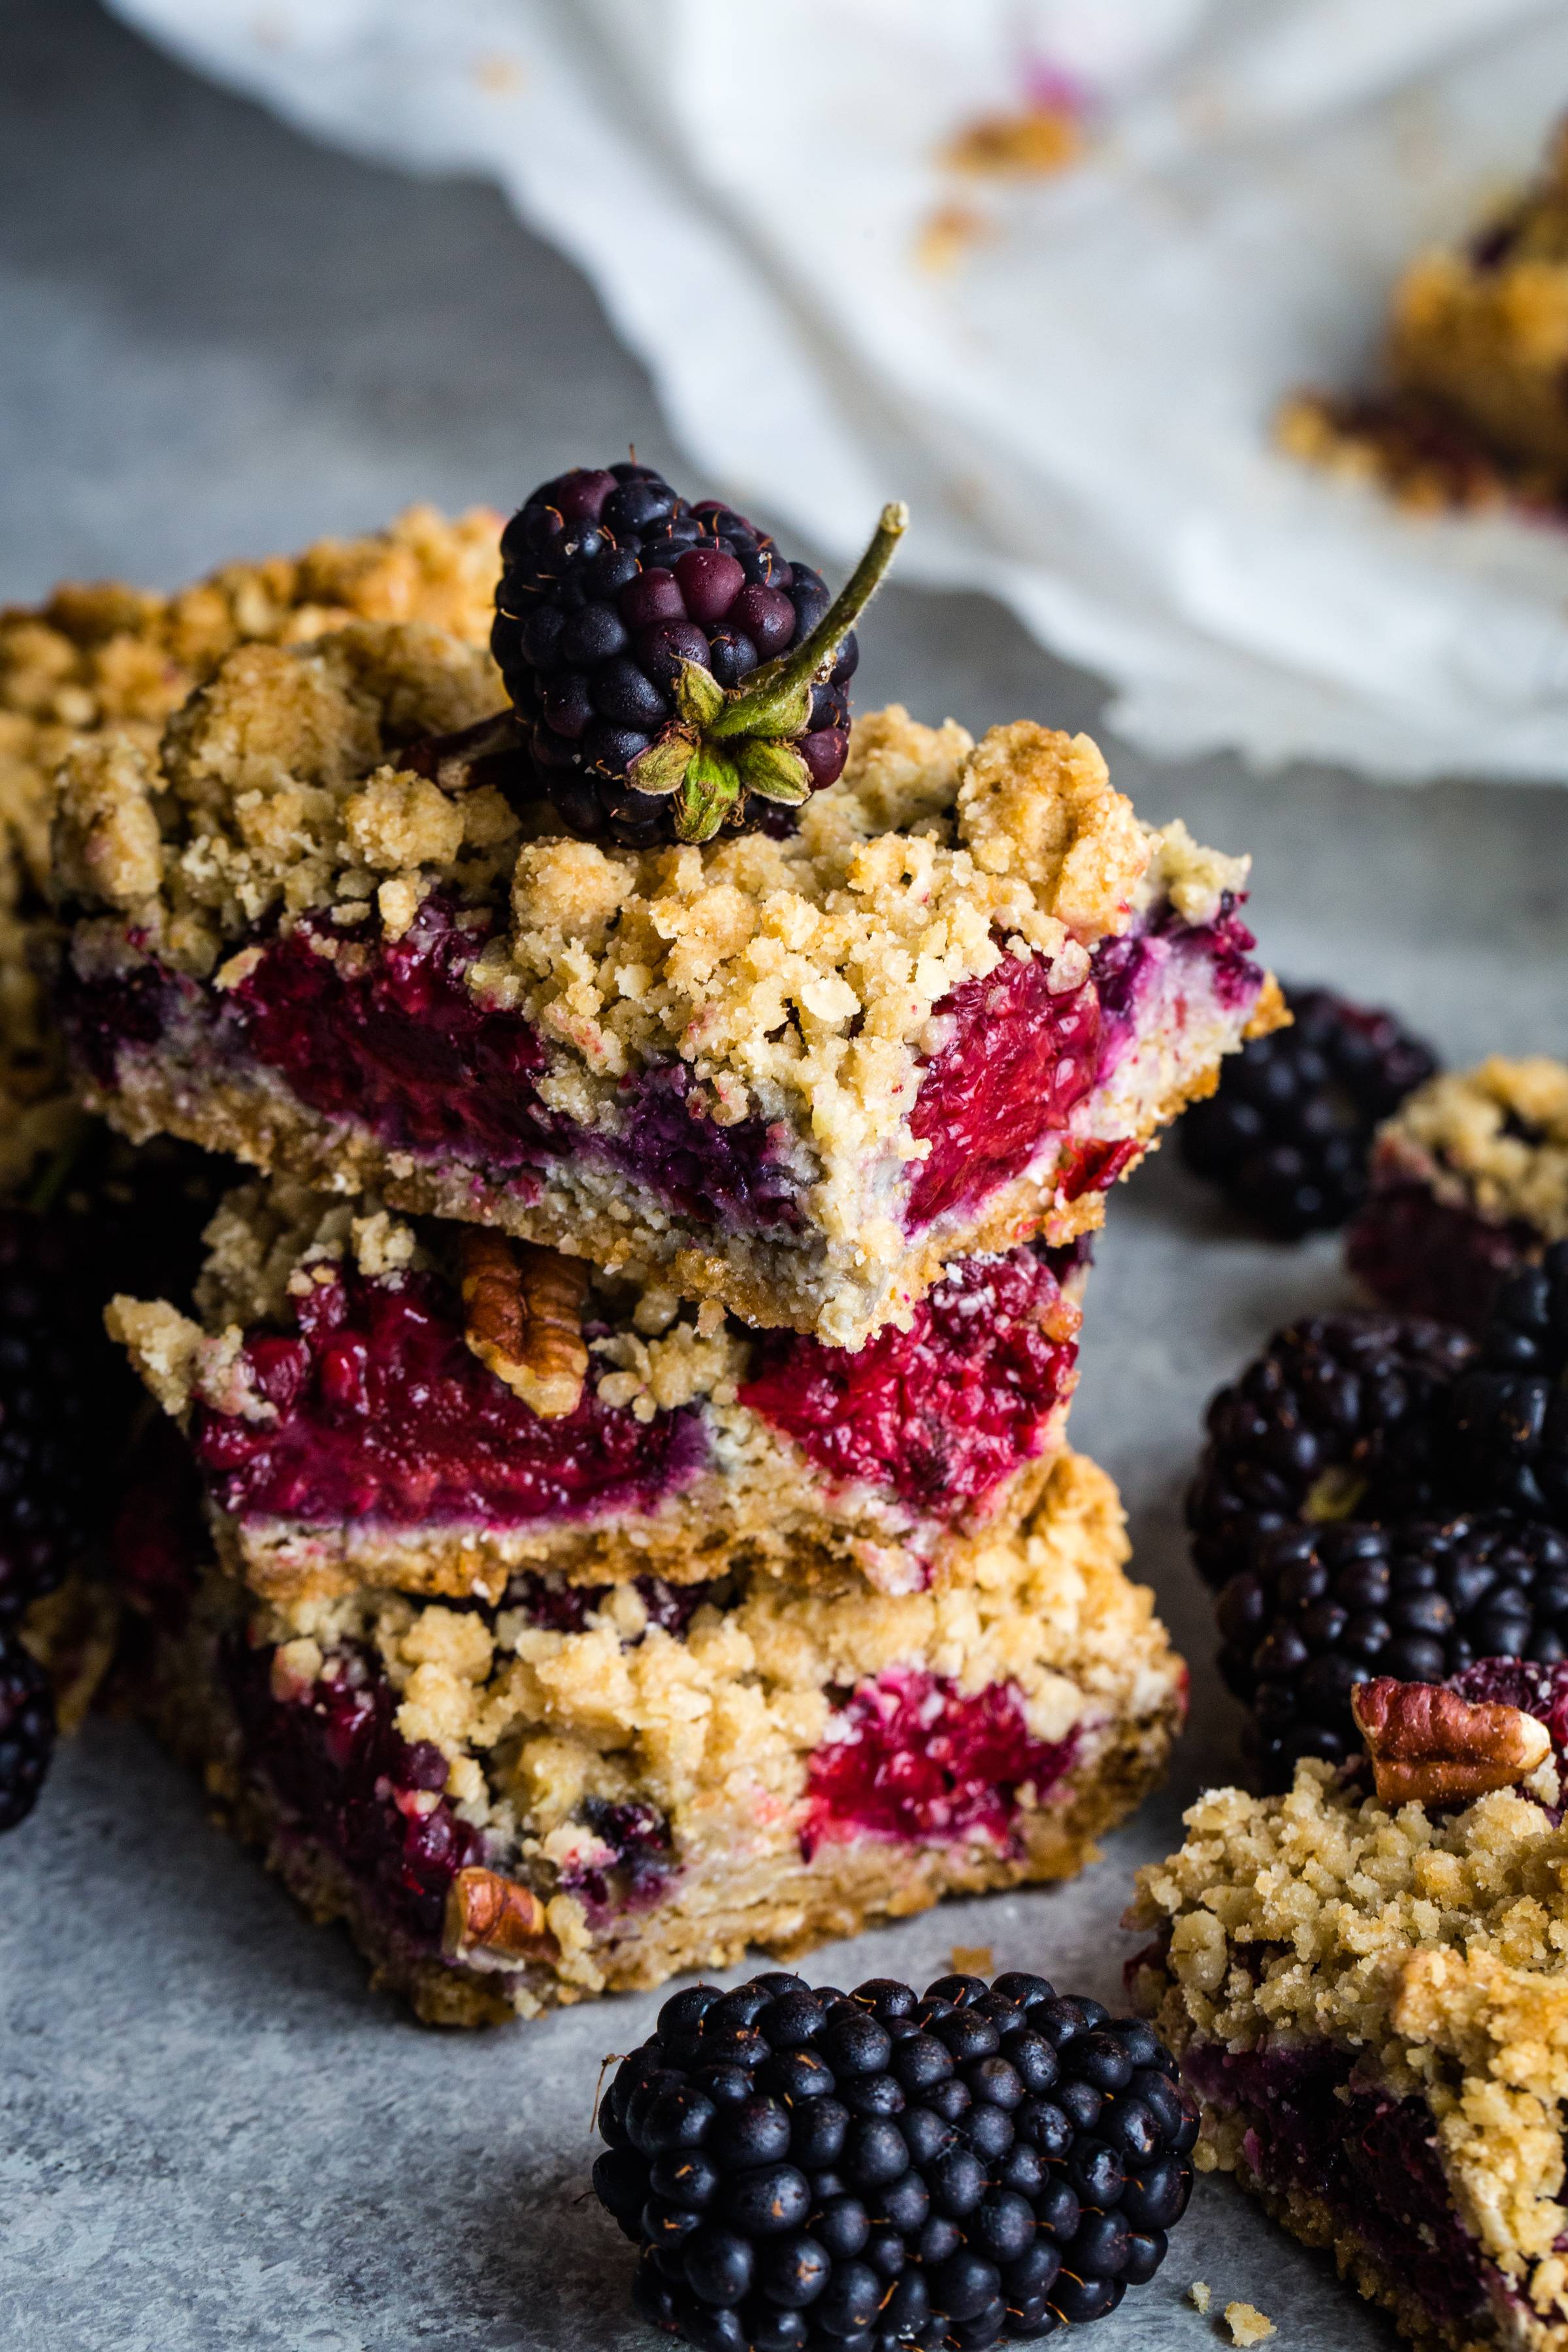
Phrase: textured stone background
[216,339]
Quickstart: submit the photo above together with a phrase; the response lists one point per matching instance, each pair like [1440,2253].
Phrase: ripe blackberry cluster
[638,638]
[1287,1136]
[806,2171]
[26,1730]
[1324,1607]
[1510,1413]
[1340,1414]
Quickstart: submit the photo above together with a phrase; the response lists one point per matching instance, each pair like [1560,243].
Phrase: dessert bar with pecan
[577,1788]
[1366,1984]
[437,1405]
[1469,1182]
[794,1071]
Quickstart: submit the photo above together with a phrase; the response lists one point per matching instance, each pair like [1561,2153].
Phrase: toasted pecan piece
[1429,1746]
[525,1317]
[493,1918]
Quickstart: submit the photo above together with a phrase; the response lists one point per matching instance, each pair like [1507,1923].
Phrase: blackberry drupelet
[26,1730]
[1340,1414]
[1510,1411]
[804,2171]
[1287,1136]
[665,662]
[1324,1607]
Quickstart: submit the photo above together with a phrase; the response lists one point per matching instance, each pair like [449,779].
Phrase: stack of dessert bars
[612,1506]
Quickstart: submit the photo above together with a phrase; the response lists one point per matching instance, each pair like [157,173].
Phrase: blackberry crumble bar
[1469,1182]
[795,1074]
[1472,411]
[99,657]
[437,1406]
[578,1790]
[1367,1990]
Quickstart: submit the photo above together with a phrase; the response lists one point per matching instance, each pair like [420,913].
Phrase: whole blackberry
[804,2171]
[1289,1133]
[1510,1411]
[665,660]
[1340,1414]
[26,1730]
[1322,1609]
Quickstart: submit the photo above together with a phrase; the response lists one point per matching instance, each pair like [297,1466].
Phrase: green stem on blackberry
[777,701]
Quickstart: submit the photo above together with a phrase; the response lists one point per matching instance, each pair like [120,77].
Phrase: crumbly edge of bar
[797,977]
[100,657]
[1452,1134]
[1435,1946]
[811,1287]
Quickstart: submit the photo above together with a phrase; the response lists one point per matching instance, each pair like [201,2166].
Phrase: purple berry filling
[910,1758]
[634,1863]
[1422,1257]
[1371,2157]
[556,1607]
[385,1413]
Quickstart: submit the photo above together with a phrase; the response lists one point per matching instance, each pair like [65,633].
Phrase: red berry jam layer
[383,1413]
[1422,1257]
[1370,2157]
[347,1779]
[909,1757]
[1019,1059]
[944,1411]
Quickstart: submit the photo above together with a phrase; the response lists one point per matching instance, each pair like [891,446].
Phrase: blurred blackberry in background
[803,2171]
[1510,1411]
[1322,1609]
[26,1730]
[611,583]
[1341,1413]
[1288,1135]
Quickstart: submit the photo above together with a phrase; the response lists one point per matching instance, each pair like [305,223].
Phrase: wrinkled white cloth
[1078,409]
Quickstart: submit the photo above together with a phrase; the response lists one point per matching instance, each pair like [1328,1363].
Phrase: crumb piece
[946,235]
[1247,2323]
[972,1960]
[1199,2295]
[1030,145]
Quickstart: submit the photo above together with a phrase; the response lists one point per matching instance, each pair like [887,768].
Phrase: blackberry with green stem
[670,672]
[806,2169]
[1287,1134]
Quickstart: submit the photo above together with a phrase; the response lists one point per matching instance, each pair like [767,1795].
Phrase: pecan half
[493,1918]
[1428,1745]
[525,1317]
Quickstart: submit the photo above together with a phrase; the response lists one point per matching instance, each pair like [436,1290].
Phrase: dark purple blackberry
[1322,1609]
[665,662]
[803,2171]
[1288,1135]
[1340,1414]
[26,1730]
[1510,1411]
[53,1365]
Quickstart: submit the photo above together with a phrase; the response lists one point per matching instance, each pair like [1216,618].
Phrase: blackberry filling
[1422,1257]
[910,1757]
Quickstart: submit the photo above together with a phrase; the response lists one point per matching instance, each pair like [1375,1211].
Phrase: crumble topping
[1436,1948]
[733,1708]
[100,657]
[1493,1140]
[798,977]
[1199,2294]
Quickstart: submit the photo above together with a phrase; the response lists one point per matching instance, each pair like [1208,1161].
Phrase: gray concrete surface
[216,340]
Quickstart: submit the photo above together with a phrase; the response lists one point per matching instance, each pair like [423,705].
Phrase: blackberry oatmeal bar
[1469,1182]
[99,657]
[796,1074]
[437,1406]
[1366,1983]
[576,1790]
[1471,412]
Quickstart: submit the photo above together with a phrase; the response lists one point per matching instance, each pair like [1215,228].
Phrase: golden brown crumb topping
[1436,1946]
[1493,1140]
[101,657]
